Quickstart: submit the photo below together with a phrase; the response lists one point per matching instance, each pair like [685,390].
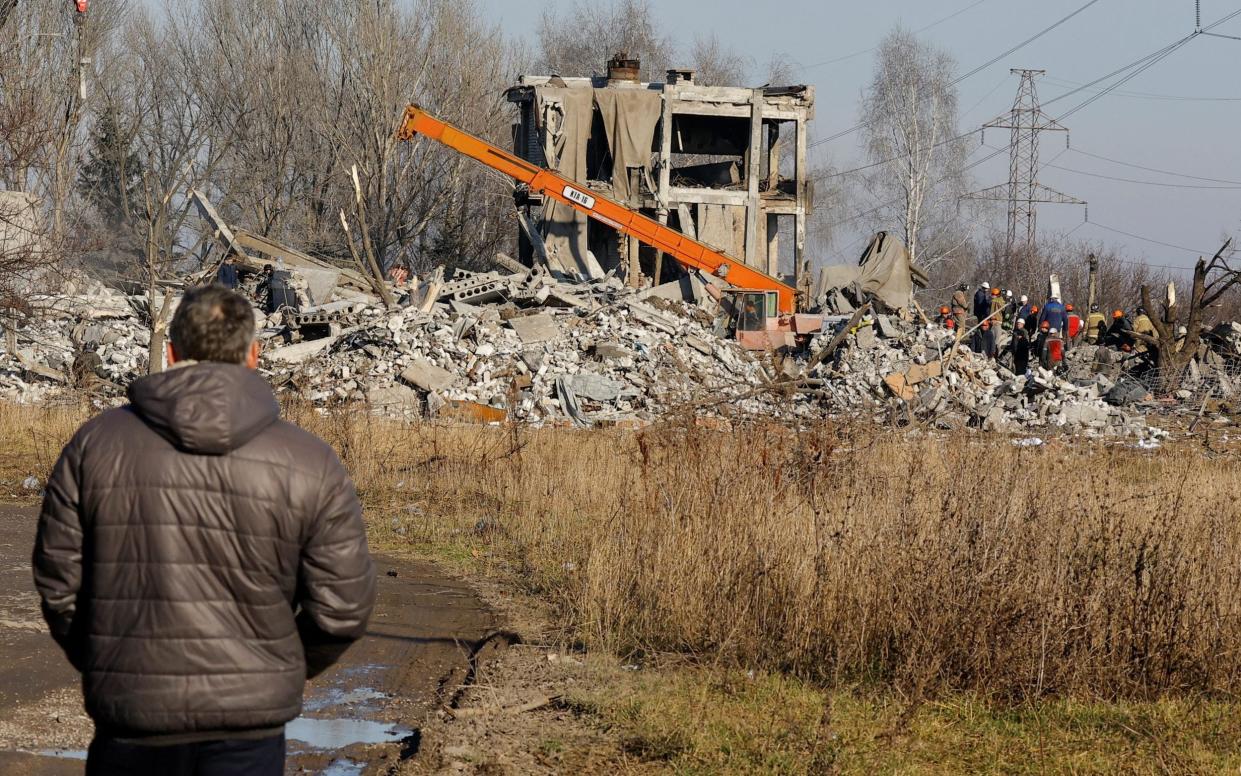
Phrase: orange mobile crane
[779,297]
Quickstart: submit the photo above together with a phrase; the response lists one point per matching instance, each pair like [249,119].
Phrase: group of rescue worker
[1041,334]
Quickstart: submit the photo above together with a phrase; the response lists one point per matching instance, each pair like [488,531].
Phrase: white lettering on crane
[581,198]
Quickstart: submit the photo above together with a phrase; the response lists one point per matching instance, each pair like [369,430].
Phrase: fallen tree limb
[826,352]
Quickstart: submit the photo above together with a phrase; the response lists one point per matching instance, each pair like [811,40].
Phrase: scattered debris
[519,345]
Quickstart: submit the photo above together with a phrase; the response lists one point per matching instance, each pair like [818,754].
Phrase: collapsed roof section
[884,275]
[725,165]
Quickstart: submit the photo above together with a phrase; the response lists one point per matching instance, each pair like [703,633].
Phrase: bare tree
[579,41]
[716,64]
[1173,351]
[909,114]
[47,71]
[781,70]
[168,150]
[304,98]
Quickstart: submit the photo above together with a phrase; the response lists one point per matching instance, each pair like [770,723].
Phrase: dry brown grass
[838,555]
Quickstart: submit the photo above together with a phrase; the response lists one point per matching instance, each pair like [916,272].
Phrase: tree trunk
[155,357]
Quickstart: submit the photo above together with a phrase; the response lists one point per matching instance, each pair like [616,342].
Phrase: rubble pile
[95,335]
[600,353]
[519,344]
[918,368]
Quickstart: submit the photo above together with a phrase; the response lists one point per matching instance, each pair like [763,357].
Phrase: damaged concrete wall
[656,148]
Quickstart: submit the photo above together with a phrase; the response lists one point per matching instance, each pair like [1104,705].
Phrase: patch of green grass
[699,721]
[551,746]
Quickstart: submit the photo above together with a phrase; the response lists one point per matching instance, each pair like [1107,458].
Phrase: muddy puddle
[326,735]
[63,754]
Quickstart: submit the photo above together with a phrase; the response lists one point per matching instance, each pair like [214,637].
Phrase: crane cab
[755,319]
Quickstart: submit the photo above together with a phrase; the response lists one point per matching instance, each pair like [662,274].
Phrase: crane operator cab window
[754,308]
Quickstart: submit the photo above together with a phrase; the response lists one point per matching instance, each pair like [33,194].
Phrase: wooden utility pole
[1094,283]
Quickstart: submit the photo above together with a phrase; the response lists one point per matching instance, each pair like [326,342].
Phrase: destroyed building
[725,165]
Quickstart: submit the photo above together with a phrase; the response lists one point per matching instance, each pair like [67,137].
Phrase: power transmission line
[1149,240]
[971,73]
[1146,62]
[1143,183]
[1148,95]
[1153,169]
[918,31]
[1024,43]
[882,205]
[827,176]
[1142,69]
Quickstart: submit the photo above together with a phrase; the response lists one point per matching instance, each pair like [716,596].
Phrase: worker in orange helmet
[1120,333]
[1044,334]
[978,343]
[1032,319]
[1075,321]
[1073,327]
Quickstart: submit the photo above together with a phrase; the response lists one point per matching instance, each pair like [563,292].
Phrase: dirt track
[359,718]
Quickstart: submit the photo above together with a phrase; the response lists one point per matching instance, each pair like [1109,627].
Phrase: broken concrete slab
[645,314]
[532,329]
[610,351]
[395,397]
[588,385]
[320,284]
[921,372]
[685,289]
[296,353]
[427,376]
[31,365]
[700,344]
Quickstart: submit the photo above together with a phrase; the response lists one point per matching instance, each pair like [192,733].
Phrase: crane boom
[686,250]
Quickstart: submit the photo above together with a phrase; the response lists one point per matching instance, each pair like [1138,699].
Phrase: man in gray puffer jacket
[199,558]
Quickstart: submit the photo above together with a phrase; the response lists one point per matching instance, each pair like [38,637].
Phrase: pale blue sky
[1196,137]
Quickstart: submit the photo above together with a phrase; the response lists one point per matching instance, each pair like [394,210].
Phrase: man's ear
[172,354]
[252,356]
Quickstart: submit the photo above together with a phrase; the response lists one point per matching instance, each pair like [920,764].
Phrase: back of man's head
[212,323]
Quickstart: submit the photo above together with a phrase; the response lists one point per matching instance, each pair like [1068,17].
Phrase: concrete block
[535,328]
[395,397]
[427,376]
[587,385]
[295,354]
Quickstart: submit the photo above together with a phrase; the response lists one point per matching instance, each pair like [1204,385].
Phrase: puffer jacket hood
[205,408]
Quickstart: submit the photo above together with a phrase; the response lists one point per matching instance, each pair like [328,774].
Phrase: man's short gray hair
[212,323]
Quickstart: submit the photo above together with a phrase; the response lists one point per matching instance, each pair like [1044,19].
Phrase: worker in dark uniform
[1019,346]
[1032,320]
[1044,334]
[226,275]
[1023,311]
[982,302]
[276,290]
[87,368]
[1118,334]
